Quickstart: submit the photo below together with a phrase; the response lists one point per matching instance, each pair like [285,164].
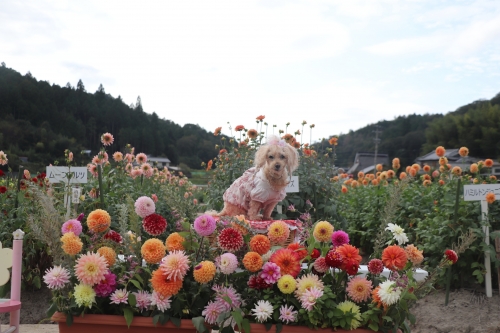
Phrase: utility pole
[377,141]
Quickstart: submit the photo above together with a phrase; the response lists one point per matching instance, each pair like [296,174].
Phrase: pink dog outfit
[252,185]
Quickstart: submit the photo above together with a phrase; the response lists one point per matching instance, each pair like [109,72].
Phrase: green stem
[101,188]
[19,176]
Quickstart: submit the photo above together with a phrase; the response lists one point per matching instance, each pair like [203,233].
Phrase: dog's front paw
[267,218]
[255,217]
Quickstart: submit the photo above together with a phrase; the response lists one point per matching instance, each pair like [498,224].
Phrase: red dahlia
[315,253]
[154,224]
[333,259]
[3,189]
[256,282]
[351,267]
[375,266]
[230,240]
[113,235]
[451,256]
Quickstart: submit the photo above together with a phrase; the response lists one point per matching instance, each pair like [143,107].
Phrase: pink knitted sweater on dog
[252,185]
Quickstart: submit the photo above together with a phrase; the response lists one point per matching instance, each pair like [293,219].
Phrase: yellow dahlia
[323,231]
[307,282]
[287,284]
[278,232]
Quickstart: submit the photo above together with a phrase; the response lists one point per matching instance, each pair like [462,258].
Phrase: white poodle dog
[262,186]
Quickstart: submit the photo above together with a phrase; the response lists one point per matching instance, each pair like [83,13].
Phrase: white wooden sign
[478,193]
[57,174]
[293,185]
[75,194]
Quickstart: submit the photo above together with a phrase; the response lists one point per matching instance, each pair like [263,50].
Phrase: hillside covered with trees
[40,120]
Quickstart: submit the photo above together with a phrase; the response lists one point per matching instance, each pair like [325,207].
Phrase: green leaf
[279,327]
[176,321]
[164,319]
[131,300]
[227,329]
[155,319]
[129,316]
[412,318]
[246,325]
[37,282]
[51,310]
[136,284]
[199,324]
[268,326]
[237,317]
[69,319]
[373,326]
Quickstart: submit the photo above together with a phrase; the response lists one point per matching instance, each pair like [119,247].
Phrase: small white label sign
[57,174]
[75,194]
[478,192]
[293,185]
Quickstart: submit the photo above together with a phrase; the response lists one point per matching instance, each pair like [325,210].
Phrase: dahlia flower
[72,226]
[204,225]
[350,307]
[398,233]
[263,311]
[161,302]
[228,263]
[309,297]
[230,240]
[143,299]
[359,289]
[287,314]
[144,206]
[90,268]
[339,238]
[119,296]
[175,265]
[154,224]
[270,272]
[56,277]
[84,295]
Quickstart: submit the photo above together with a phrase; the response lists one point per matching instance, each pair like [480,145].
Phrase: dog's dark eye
[271,157]
[282,157]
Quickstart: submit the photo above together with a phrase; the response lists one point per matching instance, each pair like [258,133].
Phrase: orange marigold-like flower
[395,163]
[174,242]
[354,184]
[299,249]
[457,171]
[490,198]
[443,161]
[109,254]
[98,220]
[349,253]
[463,151]
[414,255]
[440,151]
[260,118]
[427,177]
[493,178]
[376,298]
[288,261]
[488,162]
[379,167]
[163,285]
[153,250]
[72,244]
[217,131]
[390,173]
[209,165]
[416,167]
[474,168]
[252,261]
[383,175]
[427,168]
[441,182]
[204,272]
[426,182]
[394,257]
[344,189]
[252,134]
[408,169]
[278,232]
[333,141]
[260,244]
[323,231]
[374,182]
[361,175]
[402,175]
[413,172]
[239,128]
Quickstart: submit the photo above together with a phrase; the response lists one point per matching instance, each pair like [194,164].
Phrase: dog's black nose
[277,166]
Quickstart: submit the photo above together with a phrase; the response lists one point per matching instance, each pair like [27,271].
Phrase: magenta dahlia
[204,225]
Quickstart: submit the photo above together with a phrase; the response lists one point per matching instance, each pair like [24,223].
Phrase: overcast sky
[340,65]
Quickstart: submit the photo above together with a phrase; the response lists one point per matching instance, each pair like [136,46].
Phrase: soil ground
[468,311]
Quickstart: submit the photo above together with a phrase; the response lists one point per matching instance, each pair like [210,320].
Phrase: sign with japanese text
[57,174]
[293,185]
[478,192]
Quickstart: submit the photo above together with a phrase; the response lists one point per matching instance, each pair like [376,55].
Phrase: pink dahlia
[359,289]
[135,173]
[287,314]
[212,311]
[118,156]
[227,296]
[107,139]
[320,265]
[144,206]
[114,236]
[270,272]
[175,265]
[72,225]
[92,169]
[119,296]
[161,302]
[141,158]
[375,266]
[129,167]
[129,158]
[339,238]
[228,263]
[107,285]
[143,299]
[230,240]
[56,277]
[204,225]
[90,268]
[154,224]
[309,297]
[147,170]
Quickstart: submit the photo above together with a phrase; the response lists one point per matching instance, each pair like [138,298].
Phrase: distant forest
[40,120]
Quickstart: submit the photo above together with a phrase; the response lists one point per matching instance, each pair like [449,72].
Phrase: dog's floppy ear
[293,158]
[260,157]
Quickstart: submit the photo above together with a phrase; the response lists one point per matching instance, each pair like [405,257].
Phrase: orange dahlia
[323,231]
[488,163]
[299,249]
[72,244]
[109,254]
[260,244]
[163,285]
[414,254]
[288,262]
[490,198]
[153,250]
[440,151]
[252,261]
[204,272]
[98,220]
[174,242]
[396,164]
[376,298]
[474,168]
[463,151]
[243,226]
[394,257]
[278,232]
[349,253]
